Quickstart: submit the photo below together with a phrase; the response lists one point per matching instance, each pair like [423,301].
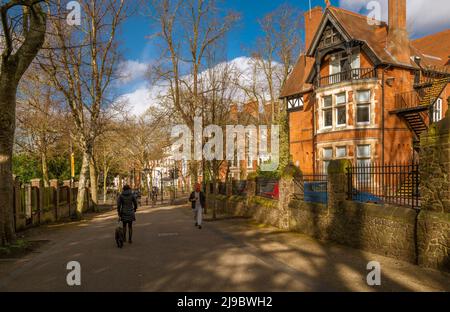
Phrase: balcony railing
[407,100]
[349,75]
[428,75]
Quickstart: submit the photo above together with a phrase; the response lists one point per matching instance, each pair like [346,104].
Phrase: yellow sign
[72,165]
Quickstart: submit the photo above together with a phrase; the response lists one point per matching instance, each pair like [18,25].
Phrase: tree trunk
[214,210]
[120,184]
[82,184]
[45,169]
[93,178]
[105,181]
[12,68]
[7,126]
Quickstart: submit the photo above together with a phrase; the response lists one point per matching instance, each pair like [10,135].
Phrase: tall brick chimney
[398,39]
[312,21]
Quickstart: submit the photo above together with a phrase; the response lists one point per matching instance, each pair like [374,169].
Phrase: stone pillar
[40,202]
[433,228]
[290,188]
[337,182]
[251,193]
[251,188]
[54,184]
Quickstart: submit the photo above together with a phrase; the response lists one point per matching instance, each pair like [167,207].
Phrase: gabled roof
[355,26]
[296,83]
[434,50]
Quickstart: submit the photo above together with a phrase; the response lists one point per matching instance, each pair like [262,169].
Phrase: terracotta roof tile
[434,49]
[296,81]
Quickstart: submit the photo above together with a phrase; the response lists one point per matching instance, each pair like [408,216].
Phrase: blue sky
[137,28]
[138,50]
[137,47]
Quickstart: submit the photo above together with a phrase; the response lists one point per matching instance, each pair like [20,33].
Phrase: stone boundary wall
[420,237]
[385,230]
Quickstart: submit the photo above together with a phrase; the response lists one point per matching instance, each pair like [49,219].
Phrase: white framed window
[363,106]
[327,157]
[327,106]
[363,155]
[341,109]
[341,151]
[437,110]
[249,163]
[363,161]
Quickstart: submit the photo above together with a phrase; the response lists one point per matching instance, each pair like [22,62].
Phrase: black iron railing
[430,74]
[348,75]
[396,184]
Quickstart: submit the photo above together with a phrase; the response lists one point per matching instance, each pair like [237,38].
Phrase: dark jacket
[202,199]
[127,206]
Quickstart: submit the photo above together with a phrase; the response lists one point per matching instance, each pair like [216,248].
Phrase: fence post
[433,235]
[40,202]
[337,182]
[54,184]
[68,184]
[28,203]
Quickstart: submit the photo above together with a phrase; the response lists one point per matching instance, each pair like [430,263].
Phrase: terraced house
[363,90]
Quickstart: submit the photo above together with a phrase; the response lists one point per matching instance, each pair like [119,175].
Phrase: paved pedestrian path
[170,254]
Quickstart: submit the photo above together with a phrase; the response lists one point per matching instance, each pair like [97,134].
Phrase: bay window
[341,152]
[327,157]
[341,109]
[363,107]
[328,112]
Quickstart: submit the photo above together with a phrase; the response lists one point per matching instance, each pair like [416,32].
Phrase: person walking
[154,195]
[126,209]
[198,201]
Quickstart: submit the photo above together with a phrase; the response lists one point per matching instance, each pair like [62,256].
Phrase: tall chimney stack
[312,21]
[398,40]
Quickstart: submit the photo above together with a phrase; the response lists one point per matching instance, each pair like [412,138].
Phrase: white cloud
[130,71]
[140,100]
[242,73]
[423,16]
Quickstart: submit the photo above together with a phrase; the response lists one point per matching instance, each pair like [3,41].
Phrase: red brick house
[363,90]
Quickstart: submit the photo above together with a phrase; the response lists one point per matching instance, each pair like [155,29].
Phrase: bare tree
[188,31]
[82,67]
[39,117]
[146,138]
[277,49]
[21,43]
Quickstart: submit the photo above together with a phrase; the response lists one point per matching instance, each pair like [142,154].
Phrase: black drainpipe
[383,86]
